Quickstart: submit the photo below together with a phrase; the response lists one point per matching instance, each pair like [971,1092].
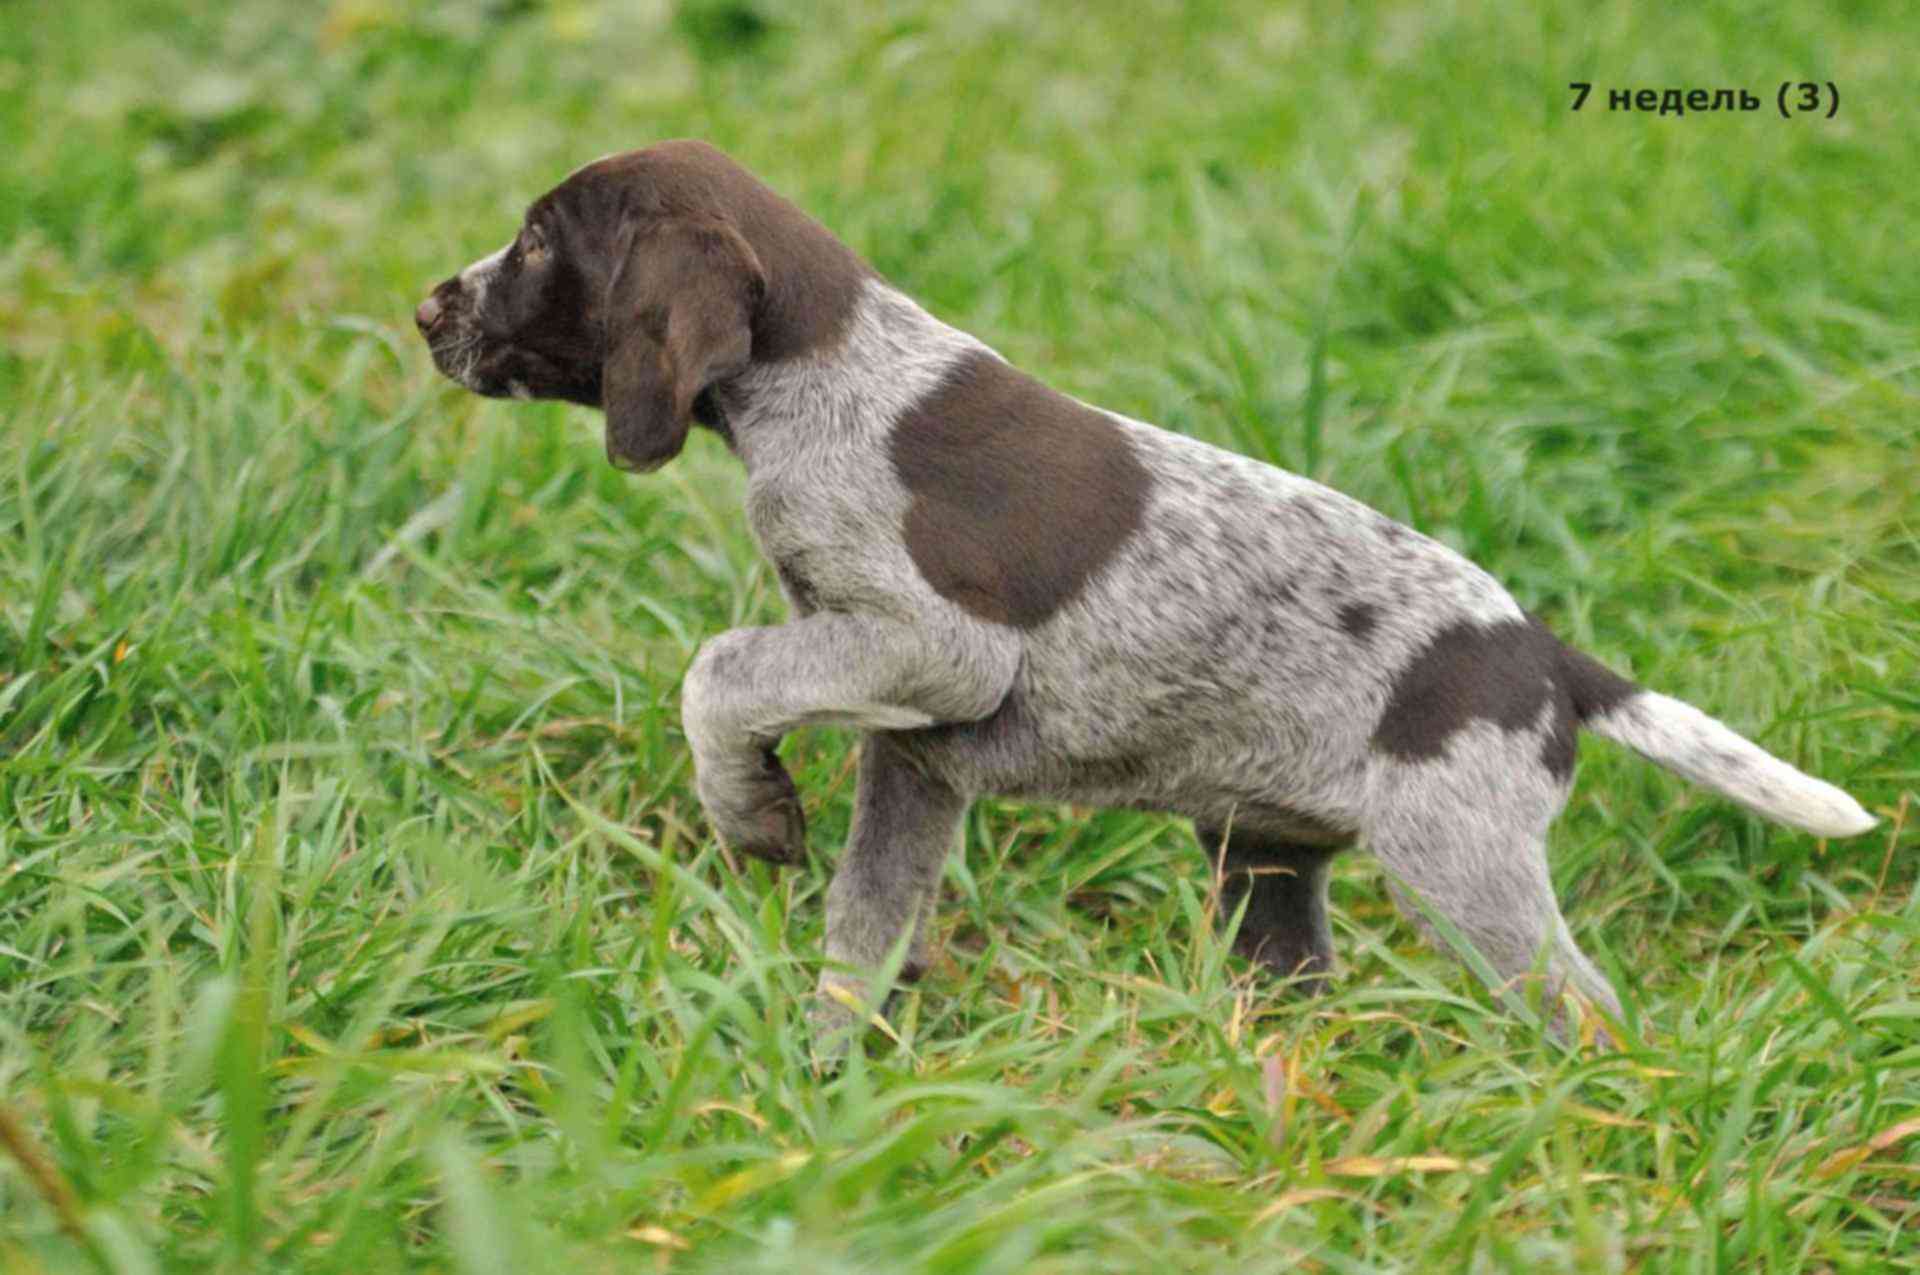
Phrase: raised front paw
[756,812]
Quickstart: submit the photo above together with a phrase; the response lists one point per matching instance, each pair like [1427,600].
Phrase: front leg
[904,825]
[748,687]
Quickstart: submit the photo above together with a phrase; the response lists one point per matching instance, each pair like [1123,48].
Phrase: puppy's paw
[843,1009]
[833,1029]
[759,813]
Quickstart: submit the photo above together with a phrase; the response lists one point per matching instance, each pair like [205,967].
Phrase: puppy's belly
[1264,769]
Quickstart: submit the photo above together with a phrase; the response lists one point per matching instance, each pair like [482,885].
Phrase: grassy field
[356,915]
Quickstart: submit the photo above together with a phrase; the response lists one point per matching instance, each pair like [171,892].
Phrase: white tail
[1685,740]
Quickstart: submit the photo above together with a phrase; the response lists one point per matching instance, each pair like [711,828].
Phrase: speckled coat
[1018,594]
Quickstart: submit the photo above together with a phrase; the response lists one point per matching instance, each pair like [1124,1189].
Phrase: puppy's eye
[532,240]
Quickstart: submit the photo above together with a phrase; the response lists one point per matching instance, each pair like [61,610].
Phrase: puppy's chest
[833,539]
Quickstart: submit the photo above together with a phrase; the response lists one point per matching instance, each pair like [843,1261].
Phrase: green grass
[356,914]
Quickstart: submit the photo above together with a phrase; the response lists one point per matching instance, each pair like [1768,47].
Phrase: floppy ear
[679,311]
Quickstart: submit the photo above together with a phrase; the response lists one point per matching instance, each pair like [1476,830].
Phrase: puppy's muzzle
[441,304]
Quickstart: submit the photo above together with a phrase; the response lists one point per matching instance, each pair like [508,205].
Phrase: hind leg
[1284,884]
[1463,837]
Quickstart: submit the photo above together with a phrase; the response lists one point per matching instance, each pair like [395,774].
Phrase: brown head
[639,284]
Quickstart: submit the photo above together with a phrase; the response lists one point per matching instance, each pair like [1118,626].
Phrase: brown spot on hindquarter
[1591,688]
[1595,688]
[1020,494]
[1505,673]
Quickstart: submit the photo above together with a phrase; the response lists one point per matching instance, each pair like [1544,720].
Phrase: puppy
[1014,593]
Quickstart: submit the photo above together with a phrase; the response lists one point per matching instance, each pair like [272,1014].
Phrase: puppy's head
[629,287]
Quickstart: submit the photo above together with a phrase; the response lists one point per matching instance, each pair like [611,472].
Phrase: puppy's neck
[892,354]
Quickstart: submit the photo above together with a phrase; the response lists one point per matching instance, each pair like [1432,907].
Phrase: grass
[355,913]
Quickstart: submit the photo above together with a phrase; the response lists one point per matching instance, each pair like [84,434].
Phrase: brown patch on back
[813,280]
[1020,494]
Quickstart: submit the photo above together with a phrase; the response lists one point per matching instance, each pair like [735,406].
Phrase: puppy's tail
[1686,741]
